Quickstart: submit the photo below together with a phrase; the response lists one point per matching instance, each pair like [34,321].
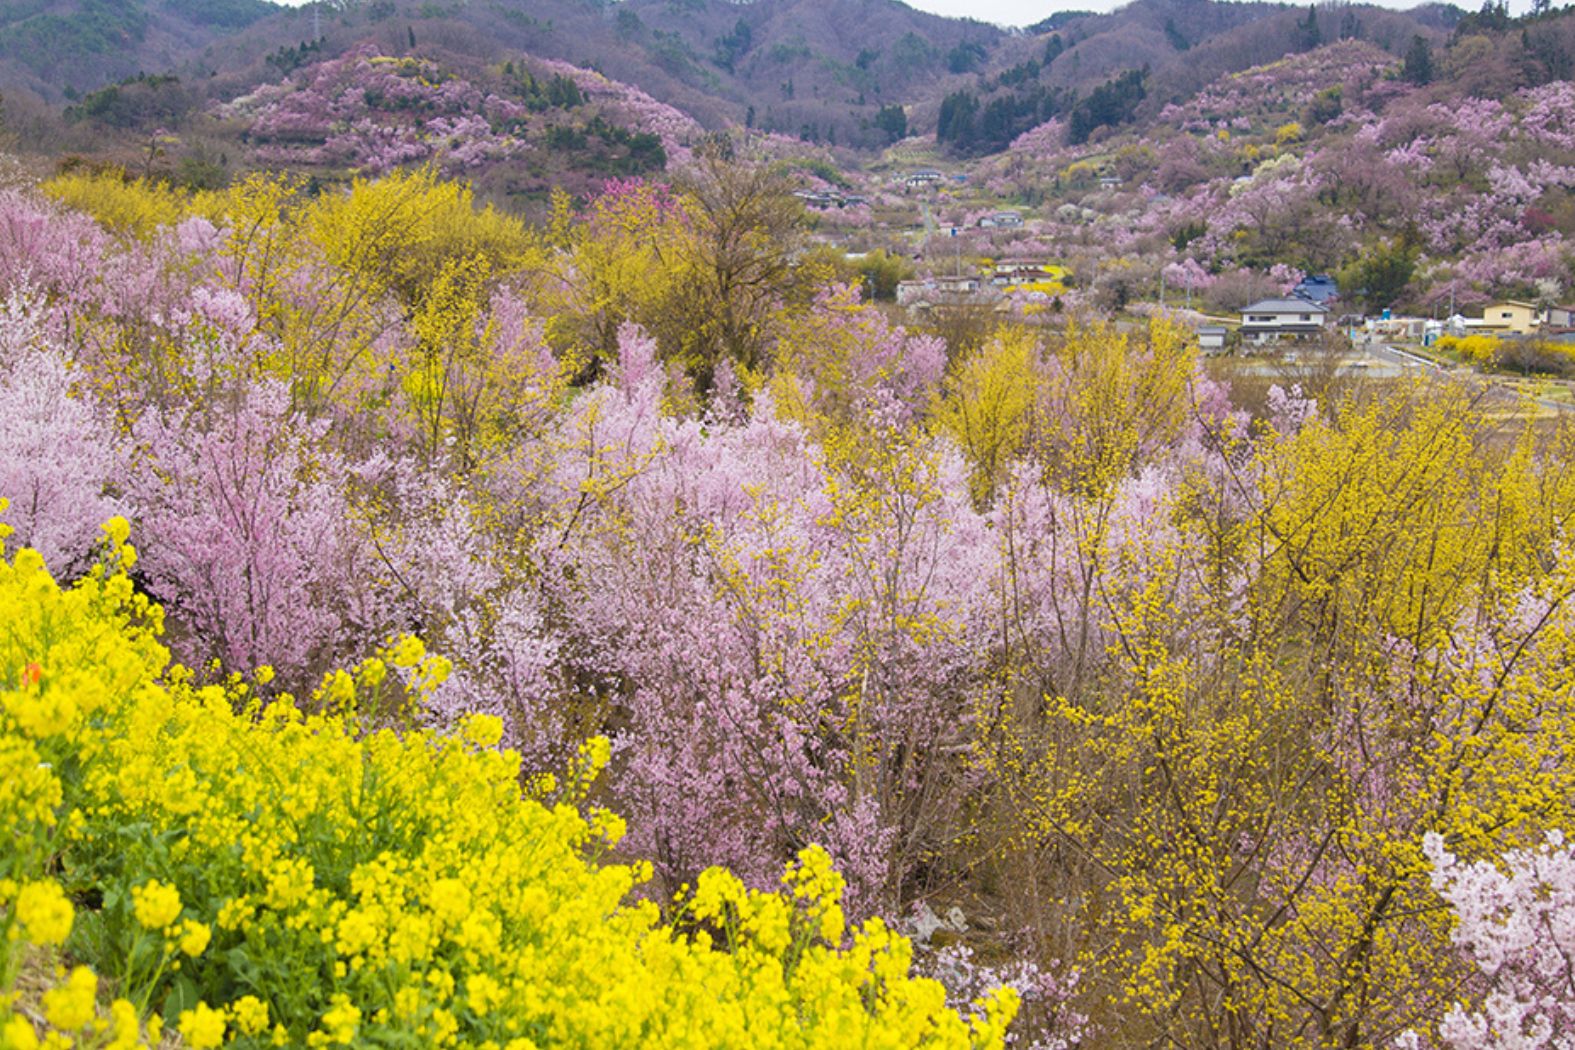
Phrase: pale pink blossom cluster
[1045,1021]
[1516,920]
[1550,114]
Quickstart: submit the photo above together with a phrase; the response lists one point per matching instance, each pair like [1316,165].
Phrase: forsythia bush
[251,875]
[1478,349]
[134,207]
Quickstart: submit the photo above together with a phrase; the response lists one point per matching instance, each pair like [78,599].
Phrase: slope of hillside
[821,69]
[1098,70]
[516,130]
[805,66]
[841,72]
[47,46]
[1433,185]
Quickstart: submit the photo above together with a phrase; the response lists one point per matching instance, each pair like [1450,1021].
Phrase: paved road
[1409,360]
[1404,358]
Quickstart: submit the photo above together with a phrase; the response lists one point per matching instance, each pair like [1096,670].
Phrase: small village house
[1018,271]
[1268,320]
[910,293]
[1002,219]
[1319,287]
[1511,317]
[923,293]
[1559,316]
[965,284]
[1399,329]
[1211,338]
[828,198]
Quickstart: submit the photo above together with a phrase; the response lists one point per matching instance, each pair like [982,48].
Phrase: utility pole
[317,20]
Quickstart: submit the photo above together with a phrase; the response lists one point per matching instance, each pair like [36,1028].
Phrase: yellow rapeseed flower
[340,1024]
[18,1034]
[70,1006]
[408,651]
[156,904]
[194,938]
[44,912]
[482,730]
[250,1014]
[118,529]
[123,1025]
[202,1027]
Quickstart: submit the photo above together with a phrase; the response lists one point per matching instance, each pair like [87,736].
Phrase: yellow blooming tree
[1358,634]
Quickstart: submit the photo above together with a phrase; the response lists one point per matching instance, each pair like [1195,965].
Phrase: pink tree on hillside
[257,545]
[58,460]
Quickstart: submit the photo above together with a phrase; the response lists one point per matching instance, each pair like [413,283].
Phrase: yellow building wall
[1510,317]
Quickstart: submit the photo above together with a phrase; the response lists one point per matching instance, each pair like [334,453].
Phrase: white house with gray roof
[1270,319]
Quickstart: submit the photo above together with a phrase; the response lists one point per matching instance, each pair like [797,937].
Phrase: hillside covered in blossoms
[493,557]
[1316,162]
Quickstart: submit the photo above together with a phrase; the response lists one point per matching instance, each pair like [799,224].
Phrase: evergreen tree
[893,120]
[1418,67]
[1308,32]
[956,121]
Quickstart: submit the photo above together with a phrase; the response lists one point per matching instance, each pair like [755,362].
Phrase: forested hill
[1149,54]
[792,65]
[840,72]
[50,47]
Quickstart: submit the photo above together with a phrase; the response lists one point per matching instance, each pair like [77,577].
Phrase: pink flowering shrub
[257,539]
[59,458]
[744,625]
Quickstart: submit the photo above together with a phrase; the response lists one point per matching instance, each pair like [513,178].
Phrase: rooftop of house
[1319,287]
[1287,305]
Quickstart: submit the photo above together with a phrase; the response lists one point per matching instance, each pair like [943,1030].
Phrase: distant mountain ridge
[841,72]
